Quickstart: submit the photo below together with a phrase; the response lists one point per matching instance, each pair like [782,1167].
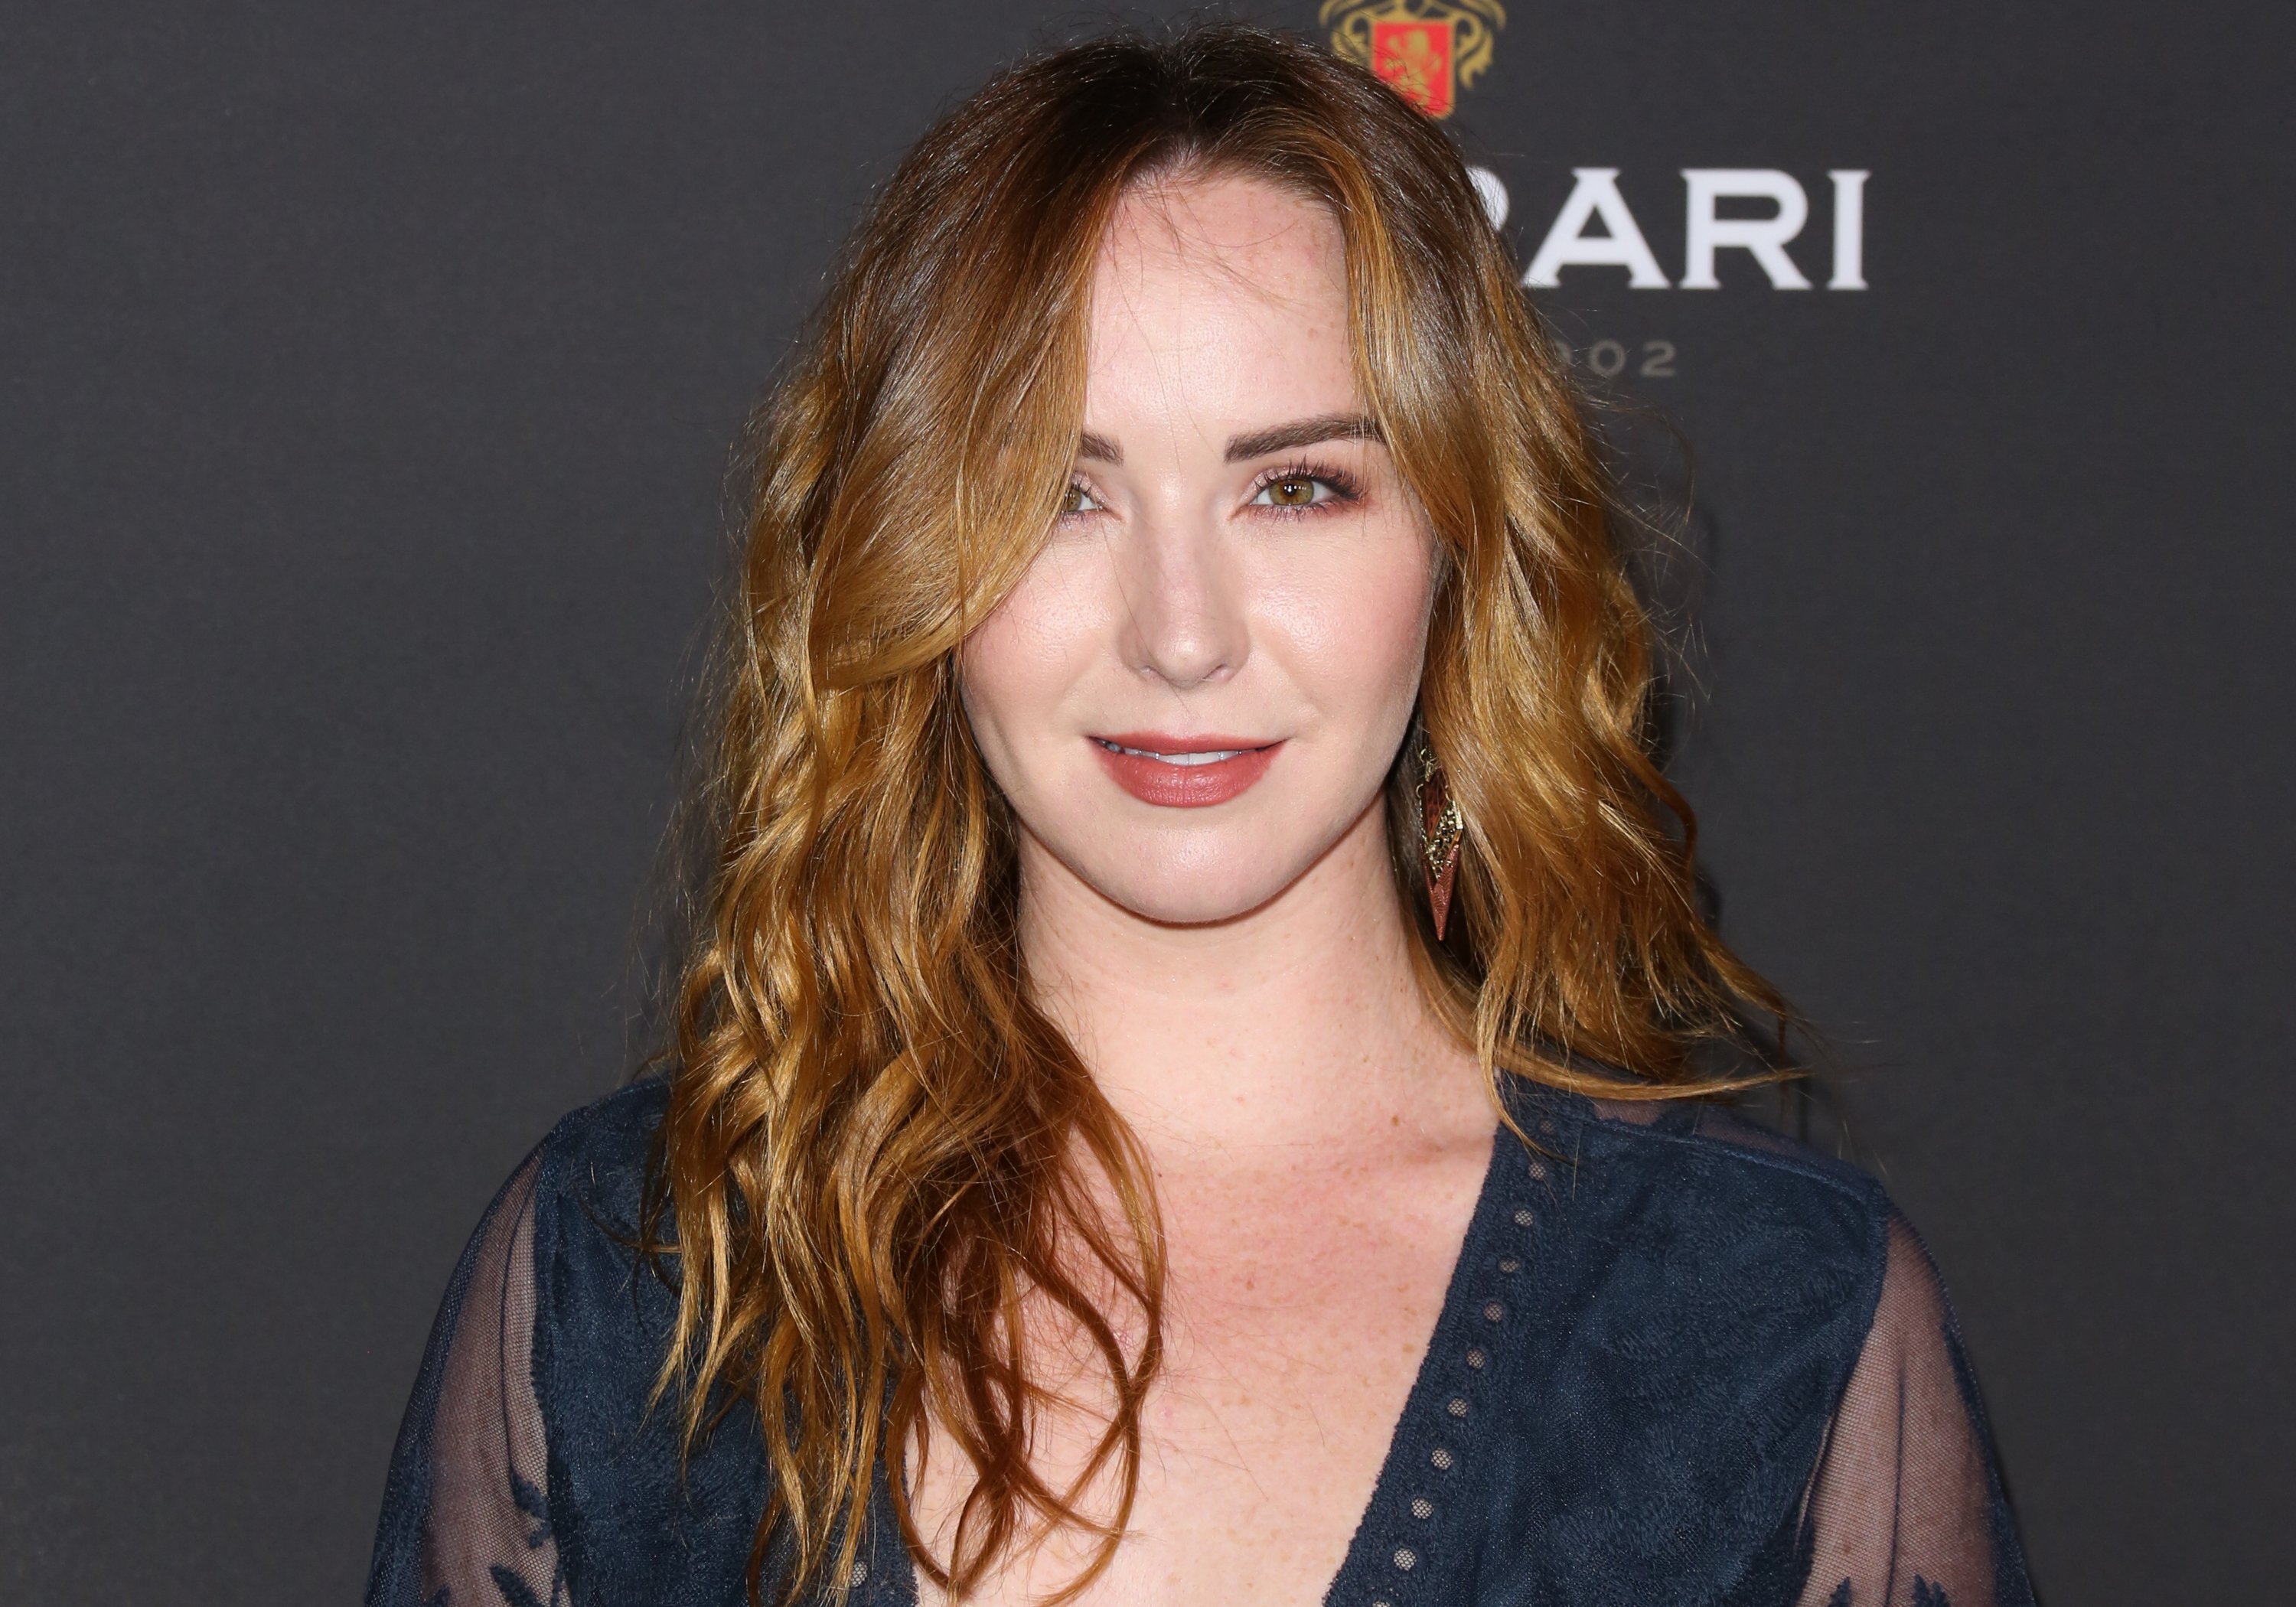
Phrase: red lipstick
[1183,772]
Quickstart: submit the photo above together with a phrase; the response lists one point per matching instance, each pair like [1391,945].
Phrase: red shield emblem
[1413,58]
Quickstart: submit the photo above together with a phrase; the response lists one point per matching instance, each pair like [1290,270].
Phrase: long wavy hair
[880,1152]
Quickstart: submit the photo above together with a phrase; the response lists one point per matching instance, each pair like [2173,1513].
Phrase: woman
[1191,1087]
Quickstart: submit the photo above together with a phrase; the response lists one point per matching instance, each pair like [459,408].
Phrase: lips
[1183,772]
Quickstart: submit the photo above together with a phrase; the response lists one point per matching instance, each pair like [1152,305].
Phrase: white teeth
[1174,759]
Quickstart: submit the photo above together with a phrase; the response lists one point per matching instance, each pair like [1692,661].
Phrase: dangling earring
[1441,829]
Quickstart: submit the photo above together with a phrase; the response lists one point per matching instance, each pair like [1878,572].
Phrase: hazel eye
[1297,490]
[1078,500]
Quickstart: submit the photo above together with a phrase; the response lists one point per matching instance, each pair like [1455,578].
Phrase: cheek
[1014,670]
[1356,628]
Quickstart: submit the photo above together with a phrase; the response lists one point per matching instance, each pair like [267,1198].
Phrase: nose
[1186,624]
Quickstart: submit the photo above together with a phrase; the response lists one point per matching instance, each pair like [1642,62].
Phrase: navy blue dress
[1680,1361]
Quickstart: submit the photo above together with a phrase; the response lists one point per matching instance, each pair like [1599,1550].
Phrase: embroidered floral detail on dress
[514,1592]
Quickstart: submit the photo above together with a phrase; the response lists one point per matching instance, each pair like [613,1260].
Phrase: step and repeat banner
[370,377]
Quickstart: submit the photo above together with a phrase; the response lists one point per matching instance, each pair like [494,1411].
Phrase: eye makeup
[1346,490]
[1341,488]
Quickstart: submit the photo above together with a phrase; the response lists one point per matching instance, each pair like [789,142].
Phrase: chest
[1299,1319]
[1620,1402]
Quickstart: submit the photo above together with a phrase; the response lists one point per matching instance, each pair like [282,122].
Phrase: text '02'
[1595,204]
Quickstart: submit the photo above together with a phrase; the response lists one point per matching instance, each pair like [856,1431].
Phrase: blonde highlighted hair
[874,1146]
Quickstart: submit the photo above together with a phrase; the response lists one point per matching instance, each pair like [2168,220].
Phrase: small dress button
[1422,1507]
[1476,1359]
[1493,1312]
[1456,1407]
[1538,1171]
[860,1574]
[1405,1558]
[1524,1219]
[1442,1458]
[1510,1265]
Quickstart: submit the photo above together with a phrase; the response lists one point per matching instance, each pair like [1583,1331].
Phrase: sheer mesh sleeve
[465,1520]
[1905,1509]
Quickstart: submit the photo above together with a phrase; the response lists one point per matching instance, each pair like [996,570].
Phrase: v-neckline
[1410,1534]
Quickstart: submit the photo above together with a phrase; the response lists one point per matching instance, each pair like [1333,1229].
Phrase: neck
[1298,1025]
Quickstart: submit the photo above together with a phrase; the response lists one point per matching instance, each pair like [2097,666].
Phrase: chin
[1184,883]
[1180,903]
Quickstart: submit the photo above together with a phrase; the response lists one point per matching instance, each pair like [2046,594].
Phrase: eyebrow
[1302,432]
[1258,443]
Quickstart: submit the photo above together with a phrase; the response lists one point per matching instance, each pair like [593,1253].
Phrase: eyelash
[1346,490]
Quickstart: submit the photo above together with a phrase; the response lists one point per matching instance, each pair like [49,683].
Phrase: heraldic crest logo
[1426,50]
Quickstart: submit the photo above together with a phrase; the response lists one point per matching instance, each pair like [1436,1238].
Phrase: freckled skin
[1237,977]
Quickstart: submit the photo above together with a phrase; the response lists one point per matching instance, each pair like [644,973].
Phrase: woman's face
[1201,682]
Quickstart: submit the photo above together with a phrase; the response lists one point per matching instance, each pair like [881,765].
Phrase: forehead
[1253,228]
[1227,269]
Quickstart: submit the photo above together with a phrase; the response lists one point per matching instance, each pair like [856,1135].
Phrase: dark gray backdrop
[366,375]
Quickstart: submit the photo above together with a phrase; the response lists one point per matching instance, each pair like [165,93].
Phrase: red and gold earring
[1441,829]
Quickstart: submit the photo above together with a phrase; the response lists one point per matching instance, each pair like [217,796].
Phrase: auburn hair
[871,1162]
